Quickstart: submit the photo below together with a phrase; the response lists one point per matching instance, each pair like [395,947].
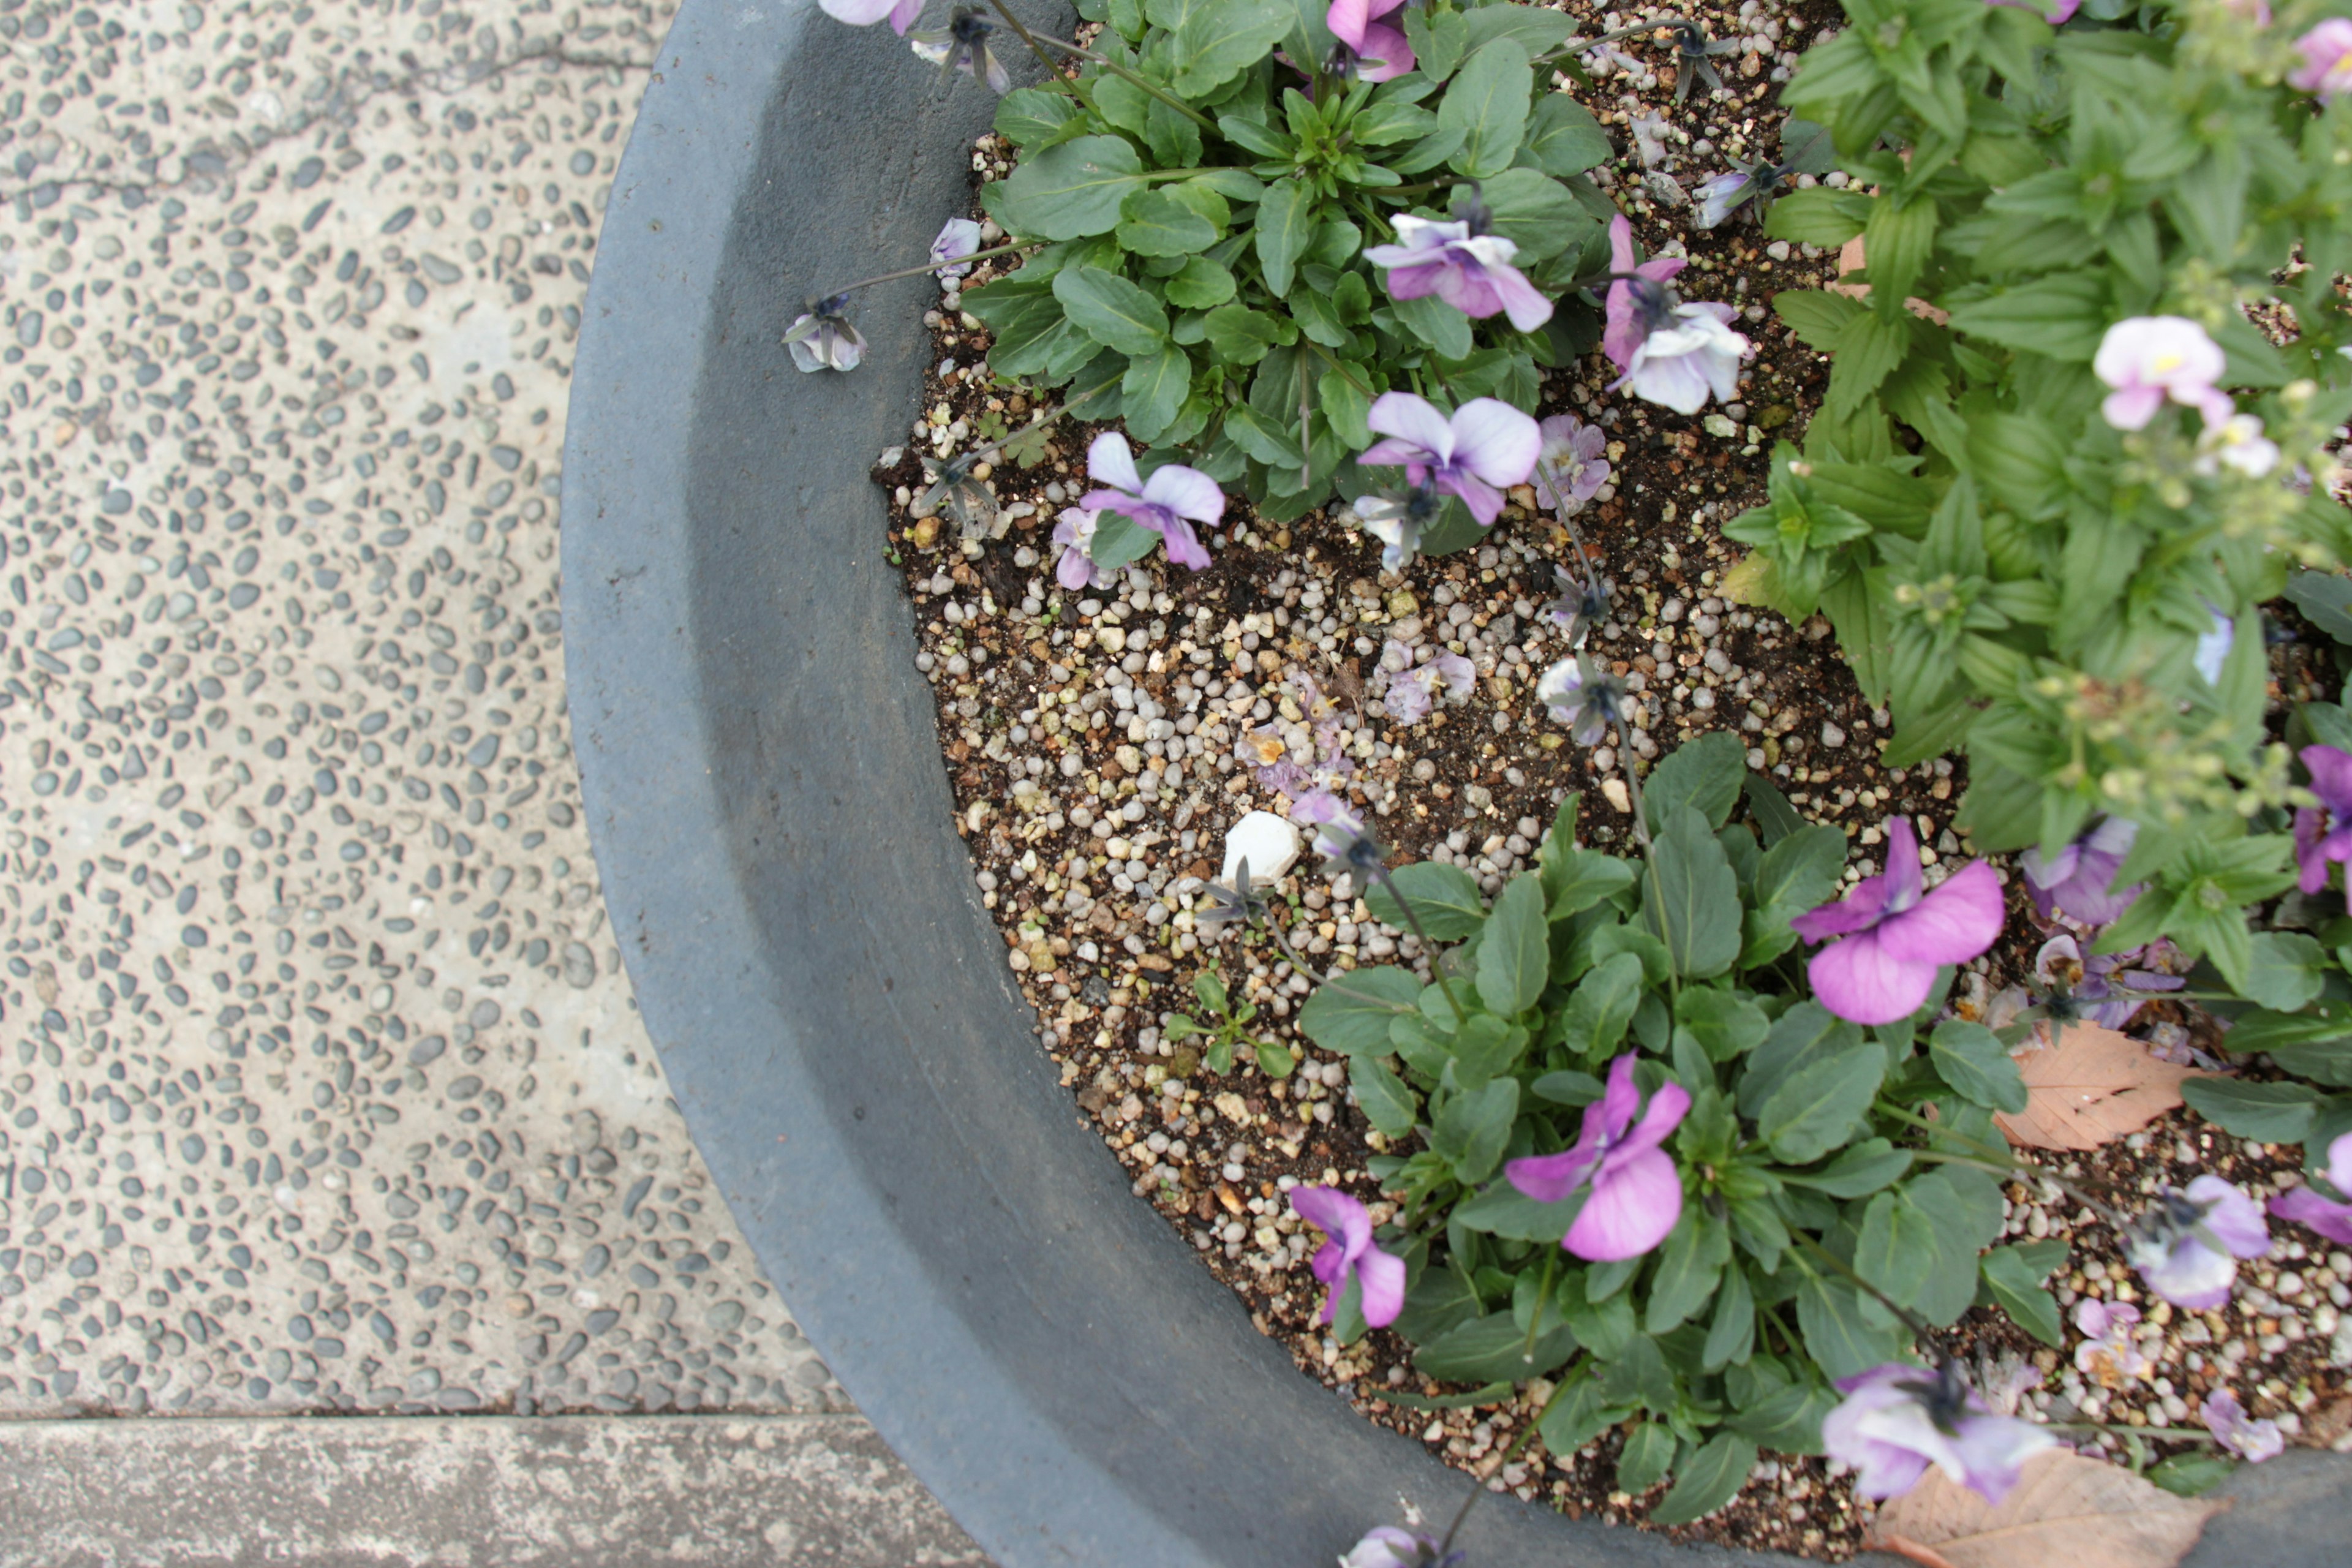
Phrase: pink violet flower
[2252,1441]
[1628,305]
[2327,68]
[899,13]
[2323,833]
[1349,1253]
[1471,272]
[1895,936]
[2307,1206]
[2079,881]
[2109,1353]
[1484,447]
[1635,1194]
[1381,49]
[2147,359]
[1076,568]
[1673,354]
[1896,1420]
[1573,464]
[2186,1246]
[1168,503]
[2051,11]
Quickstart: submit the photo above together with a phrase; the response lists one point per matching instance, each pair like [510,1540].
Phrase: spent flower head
[2186,1245]
[2079,881]
[958,238]
[821,337]
[1399,519]
[1387,1546]
[2252,1441]
[1693,52]
[1572,465]
[1896,1421]
[963,46]
[967,499]
[1219,906]
[1075,567]
[1582,605]
[1582,695]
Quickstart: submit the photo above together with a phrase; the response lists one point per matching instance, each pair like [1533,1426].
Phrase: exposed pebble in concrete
[321,1085]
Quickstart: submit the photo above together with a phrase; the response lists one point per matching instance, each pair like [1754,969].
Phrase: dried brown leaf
[2066,1509]
[2090,1087]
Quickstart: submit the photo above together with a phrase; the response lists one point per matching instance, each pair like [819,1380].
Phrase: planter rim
[830,1002]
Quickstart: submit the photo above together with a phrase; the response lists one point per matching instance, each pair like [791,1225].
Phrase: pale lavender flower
[2252,1441]
[1583,696]
[1673,354]
[2237,444]
[2212,650]
[2324,833]
[2147,359]
[959,238]
[1485,446]
[1896,1421]
[1634,1193]
[1415,689]
[1386,1546]
[1322,808]
[2098,989]
[963,46]
[2186,1246]
[2109,1351]
[1380,52]
[821,337]
[1725,194]
[1075,569]
[2078,881]
[2306,1205]
[1582,605]
[899,13]
[2326,67]
[1398,522]
[1469,270]
[1895,935]
[1573,465]
[1163,504]
[1350,1254]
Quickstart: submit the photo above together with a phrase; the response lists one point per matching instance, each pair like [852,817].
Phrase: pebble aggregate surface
[322,1087]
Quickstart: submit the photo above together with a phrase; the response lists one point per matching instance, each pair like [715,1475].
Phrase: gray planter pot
[831,1002]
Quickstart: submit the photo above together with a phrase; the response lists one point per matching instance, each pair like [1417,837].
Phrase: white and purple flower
[1573,465]
[1484,448]
[1168,503]
[2110,1351]
[2186,1246]
[2252,1441]
[1634,1193]
[1469,270]
[2149,359]
[1896,1421]
[1583,696]
[2099,987]
[2306,1205]
[1672,354]
[2236,443]
[1398,522]
[821,337]
[1349,1253]
[899,13]
[2079,881]
[958,238]
[1074,568]
[2327,68]
[1893,935]
[1387,1546]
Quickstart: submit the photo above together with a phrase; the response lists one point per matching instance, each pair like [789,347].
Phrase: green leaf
[1154,390]
[2192,1474]
[1219,39]
[2062,316]
[1073,190]
[1602,1005]
[1897,1250]
[1121,545]
[1704,774]
[1731,1336]
[1816,315]
[1820,216]
[1030,115]
[1446,898]
[1439,40]
[1201,285]
[1896,242]
[1579,878]
[1841,1340]
[1239,335]
[1859,1171]
[1154,223]
[1474,1128]
[1112,310]
[1725,1025]
[2265,1113]
[1582,1411]
[1515,953]
[1691,899]
[1971,1058]
[1346,404]
[1350,1016]
[1492,1348]
[1706,1481]
[2325,600]
[1503,1210]
[1286,228]
[1487,103]
[1819,1107]
[2016,1285]
[1806,1033]
[1563,138]
[1535,213]
[1869,347]
[2285,971]
[1440,326]
[1689,1263]
[1649,1454]
[1797,874]
[1387,1104]
[1275,1062]
[1789,1419]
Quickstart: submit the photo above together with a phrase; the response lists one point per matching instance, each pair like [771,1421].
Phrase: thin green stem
[1535,1319]
[1436,967]
[1053,69]
[2170,1434]
[1124,74]
[1005,250]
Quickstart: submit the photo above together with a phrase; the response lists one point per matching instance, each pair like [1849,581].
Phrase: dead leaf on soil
[2066,1511]
[2090,1087]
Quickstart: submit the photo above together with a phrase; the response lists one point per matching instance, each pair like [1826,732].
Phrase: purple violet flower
[1076,568]
[899,13]
[1573,465]
[2186,1246]
[2099,987]
[2252,1441]
[1896,936]
[1161,503]
[2323,833]
[1413,690]
[1484,448]
[2147,359]
[1633,311]
[2110,1352]
[1721,195]
[821,337]
[2306,1206]
[2078,881]
[958,238]
[1896,1421]
[1583,696]
[1469,270]
[1323,808]
[1380,51]
[1386,1546]
[1634,1193]
[1349,1252]
[2326,67]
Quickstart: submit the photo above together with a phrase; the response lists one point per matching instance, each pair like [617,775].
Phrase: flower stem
[1436,967]
[2174,1434]
[1577,45]
[1116,70]
[1005,249]
[1053,71]
[1495,1469]
[1535,1319]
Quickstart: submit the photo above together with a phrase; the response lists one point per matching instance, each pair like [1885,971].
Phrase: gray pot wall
[771,819]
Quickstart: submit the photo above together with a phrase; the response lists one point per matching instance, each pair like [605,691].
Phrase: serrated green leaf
[2062,316]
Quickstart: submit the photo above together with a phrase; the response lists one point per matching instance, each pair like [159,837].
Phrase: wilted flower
[1486,447]
[1583,696]
[2212,650]
[1894,935]
[2326,67]
[1692,48]
[1219,906]
[1413,690]
[2186,1245]
[2147,359]
[2109,1353]
[1469,270]
[821,337]
[1673,354]
[957,239]
[1896,1421]
[1582,605]
[1631,310]
[966,498]
[1075,569]
[1162,503]
[1380,52]
[963,47]
[1398,522]
[2078,881]
[2252,1441]
[2238,444]
[1635,1194]
[899,13]
[2323,833]
[1349,1253]
[1386,1546]
[1348,846]
[1571,467]
[2099,987]
[2306,1205]
[1741,185]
